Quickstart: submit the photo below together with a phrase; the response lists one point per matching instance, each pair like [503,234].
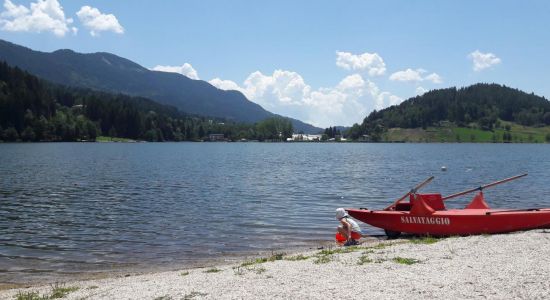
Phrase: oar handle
[418,187]
[483,187]
[412,191]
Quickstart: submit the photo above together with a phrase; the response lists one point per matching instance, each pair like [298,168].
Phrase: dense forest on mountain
[113,74]
[481,105]
[34,110]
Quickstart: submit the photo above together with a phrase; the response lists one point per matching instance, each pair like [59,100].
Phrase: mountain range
[110,73]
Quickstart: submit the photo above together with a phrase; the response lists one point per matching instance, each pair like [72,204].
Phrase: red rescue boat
[427,214]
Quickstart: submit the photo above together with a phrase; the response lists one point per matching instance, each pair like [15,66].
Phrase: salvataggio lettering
[426,220]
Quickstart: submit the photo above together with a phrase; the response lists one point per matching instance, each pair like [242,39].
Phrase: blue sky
[324,62]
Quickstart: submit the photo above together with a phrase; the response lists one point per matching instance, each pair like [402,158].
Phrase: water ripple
[70,208]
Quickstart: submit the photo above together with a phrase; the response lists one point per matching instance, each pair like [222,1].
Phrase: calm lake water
[73,208]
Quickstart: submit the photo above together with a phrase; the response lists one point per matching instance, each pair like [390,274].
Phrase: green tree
[11,135]
[355,132]
[28,134]
[201,132]
[274,129]
[151,135]
[113,132]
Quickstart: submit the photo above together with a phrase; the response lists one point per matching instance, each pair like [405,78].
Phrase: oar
[412,191]
[484,186]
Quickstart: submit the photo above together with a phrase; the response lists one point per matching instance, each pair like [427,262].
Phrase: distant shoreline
[272,142]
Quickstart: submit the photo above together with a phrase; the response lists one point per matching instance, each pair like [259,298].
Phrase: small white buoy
[443,168]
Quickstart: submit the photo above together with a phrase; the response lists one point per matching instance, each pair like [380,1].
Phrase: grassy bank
[513,133]
[106,139]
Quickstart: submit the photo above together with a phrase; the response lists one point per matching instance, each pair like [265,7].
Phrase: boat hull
[455,222]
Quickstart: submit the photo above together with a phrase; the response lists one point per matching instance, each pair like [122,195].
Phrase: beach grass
[425,240]
[331,251]
[381,246]
[60,291]
[261,260]
[297,257]
[30,296]
[259,270]
[183,274]
[57,291]
[364,259]
[193,295]
[213,270]
[405,260]
[324,259]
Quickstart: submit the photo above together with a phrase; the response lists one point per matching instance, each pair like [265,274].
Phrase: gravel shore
[506,266]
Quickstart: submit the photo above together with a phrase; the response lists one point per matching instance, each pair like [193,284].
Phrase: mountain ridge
[109,72]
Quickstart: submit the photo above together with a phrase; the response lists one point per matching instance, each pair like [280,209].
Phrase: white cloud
[287,93]
[185,69]
[96,22]
[352,84]
[226,85]
[407,75]
[410,75]
[41,16]
[483,61]
[420,91]
[386,99]
[281,88]
[434,78]
[372,62]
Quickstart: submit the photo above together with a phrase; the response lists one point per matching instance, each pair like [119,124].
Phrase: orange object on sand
[340,238]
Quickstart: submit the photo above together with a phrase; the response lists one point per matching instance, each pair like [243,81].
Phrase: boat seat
[403,207]
[435,201]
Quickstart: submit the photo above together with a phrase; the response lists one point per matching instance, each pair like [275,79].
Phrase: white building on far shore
[305,137]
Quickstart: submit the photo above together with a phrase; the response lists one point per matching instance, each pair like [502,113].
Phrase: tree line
[482,105]
[32,109]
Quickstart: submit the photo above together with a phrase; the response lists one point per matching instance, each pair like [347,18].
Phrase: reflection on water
[78,208]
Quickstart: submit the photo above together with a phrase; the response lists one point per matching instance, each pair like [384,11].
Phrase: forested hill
[34,110]
[480,104]
[111,73]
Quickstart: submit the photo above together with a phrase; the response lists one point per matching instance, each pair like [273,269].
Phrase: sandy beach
[505,266]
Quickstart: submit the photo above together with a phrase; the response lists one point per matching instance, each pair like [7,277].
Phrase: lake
[89,208]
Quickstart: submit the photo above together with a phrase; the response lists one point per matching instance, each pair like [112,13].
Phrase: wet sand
[507,266]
